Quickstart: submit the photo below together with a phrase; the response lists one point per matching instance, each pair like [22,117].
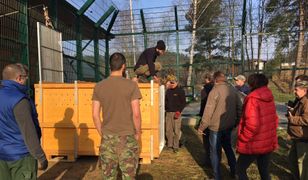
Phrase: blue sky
[151,3]
[139,4]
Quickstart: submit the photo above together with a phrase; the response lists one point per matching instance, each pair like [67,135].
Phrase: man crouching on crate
[120,128]
[20,132]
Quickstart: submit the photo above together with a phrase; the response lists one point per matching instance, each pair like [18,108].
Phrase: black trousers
[244,161]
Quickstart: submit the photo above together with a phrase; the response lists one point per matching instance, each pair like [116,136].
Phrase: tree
[230,9]
[261,14]
[203,25]
[288,22]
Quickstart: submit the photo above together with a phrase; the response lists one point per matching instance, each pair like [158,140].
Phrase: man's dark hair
[116,61]
[208,76]
[219,76]
[256,81]
[161,45]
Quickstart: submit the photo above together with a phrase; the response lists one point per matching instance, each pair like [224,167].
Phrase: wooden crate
[67,108]
[56,105]
[88,141]
[60,141]
[85,91]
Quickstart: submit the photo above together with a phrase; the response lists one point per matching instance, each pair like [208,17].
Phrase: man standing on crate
[175,103]
[118,98]
[19,127]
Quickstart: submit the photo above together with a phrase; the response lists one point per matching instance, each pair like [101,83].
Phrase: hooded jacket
[257,129]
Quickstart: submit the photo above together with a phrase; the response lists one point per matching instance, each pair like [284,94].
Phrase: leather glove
[43,164]
[177,115]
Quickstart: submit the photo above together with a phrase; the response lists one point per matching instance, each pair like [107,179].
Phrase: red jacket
[257,128]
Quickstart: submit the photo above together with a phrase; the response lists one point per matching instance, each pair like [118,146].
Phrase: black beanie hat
[161,45]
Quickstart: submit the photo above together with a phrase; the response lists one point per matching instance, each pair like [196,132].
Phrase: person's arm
[300,120]
[183,99]
[96,110]
[208,111]
[252,121]
[239,106]
[22,113]
[136,117]
[203,94]
[202,102]
[150,62]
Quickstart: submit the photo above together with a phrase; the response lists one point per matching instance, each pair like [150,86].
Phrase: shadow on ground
[186,164]
[80,169]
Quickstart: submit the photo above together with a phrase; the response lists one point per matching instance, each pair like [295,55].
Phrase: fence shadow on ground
[280,164]
[194,146]
[279,167]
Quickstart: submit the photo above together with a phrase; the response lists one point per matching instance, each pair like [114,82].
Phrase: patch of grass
[280,96]
[188,163]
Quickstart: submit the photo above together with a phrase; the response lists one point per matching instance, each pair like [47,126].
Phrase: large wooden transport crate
[65,115]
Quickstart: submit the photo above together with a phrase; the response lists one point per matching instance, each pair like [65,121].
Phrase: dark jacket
[204,95]
[244,89]
[257,129]
[175,100]
[298,123]
[12,141]
[147,57]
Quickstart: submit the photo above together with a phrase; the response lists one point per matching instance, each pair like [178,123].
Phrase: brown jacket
[298,123]
[223,108]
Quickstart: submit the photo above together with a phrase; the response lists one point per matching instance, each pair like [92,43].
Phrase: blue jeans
[219,140]
[244,161]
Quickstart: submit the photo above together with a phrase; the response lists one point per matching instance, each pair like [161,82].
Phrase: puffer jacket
[257,129]
[298,122]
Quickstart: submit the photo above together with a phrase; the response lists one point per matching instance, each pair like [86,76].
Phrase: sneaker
[175,150]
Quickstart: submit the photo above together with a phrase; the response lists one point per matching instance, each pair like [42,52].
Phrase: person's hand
[156,79]
[290,109]
[177,115]
[200,132]
[289,115]
[135,79]
[43,165]
[137,136]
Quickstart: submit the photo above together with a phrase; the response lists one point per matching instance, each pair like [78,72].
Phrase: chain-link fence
[233,36]
[83,43]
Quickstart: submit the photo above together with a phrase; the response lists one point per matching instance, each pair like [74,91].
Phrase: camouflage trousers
[144,70]
[119,151]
